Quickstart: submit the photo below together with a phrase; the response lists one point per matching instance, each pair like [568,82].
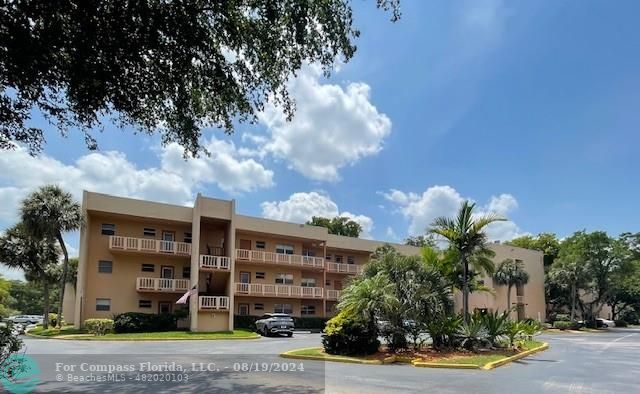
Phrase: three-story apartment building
[143,256]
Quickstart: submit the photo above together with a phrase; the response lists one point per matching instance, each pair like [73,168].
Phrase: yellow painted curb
[518,356]
[90,337]
[329,357]
[444,365]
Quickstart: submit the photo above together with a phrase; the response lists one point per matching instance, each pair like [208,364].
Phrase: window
[103,304]
[351,260]
[164,307]
[258,307]
[328,257]
[310,253]
[243,309]
[261,245]
[260,275]
[144,303]
[105,267]
[327,282]
[108,229]
[338,259]
[308,310]
[284,279]
[149,232]
[308,282]
[187,238]
[186,272]
[283,308]
[148,268]
[284,249]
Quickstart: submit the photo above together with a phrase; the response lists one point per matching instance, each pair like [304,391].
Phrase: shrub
[98,326]
[10,361]
[144,322]
[562,317]
[246,322]
[310,323]
[563,325]
[53,319]
[472,335]
[346,335]
[621,323]
[630,316]
[443,330]
[495,323]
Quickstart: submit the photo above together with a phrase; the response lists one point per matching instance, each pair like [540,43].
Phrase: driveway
[605,362]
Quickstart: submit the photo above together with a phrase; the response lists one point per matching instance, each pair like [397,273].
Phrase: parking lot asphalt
[606,362]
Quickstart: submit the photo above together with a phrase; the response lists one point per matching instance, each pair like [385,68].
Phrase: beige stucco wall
[213,321]
[533,291]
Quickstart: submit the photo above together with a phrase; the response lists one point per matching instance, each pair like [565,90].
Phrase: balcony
[216,303]
[147,245]
[214,263]
[344,268]
[268,290]
[163,285]
[296,260]
[333,294]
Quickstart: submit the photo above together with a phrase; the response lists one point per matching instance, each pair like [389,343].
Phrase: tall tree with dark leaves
[47,214]
[172,67]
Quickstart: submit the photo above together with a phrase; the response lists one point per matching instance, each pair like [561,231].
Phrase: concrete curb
[90,337]
[333,358]
[518,356]
[414,362]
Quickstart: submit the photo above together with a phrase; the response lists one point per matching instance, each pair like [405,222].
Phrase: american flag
[185,297]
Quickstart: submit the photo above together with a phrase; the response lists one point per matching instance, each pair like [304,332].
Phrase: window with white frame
[308,282]
[351,260]
[105,266]
[284,279]
[258,306]
[260,275]
[338,259]
[149,232]
[283,308]
[148,268]
[187,238]
[144,303]
[103,304]
[261,245]
[307,310]
[284,249]
[328,257]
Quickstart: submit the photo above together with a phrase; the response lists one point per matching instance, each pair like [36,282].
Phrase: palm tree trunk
[465,288]
[45,291]
[63,280]
[509,300]
[573,301]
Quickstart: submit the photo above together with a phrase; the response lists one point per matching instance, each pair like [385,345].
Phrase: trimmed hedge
[563,325]
[621,323]
[144,322]
[248,322]
[350,337]
[98,326]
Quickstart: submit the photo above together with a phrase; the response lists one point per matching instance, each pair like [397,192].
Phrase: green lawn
[54,332]
[146,336]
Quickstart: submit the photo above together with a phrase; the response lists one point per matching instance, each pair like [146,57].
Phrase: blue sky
[528,108]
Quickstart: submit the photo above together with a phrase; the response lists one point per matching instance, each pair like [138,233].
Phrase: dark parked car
[275,323]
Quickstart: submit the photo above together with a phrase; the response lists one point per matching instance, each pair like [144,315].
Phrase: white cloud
[300,207]
[174,180]
[333,127]
[391,234]
[437,201]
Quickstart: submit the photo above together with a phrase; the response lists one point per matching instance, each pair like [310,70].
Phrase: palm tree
[38,258]
[510,273]
[48,213]
[368,298]
[467,238]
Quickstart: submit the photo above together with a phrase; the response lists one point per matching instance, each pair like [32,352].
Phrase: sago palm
[48,213]
[467,237]
[510,273]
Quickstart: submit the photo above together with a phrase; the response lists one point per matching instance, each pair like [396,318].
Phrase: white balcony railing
[333,294]
[215,303]
[269,290]
[260,256]
[344,268]
[163,285]
[148,245]
[215,262]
